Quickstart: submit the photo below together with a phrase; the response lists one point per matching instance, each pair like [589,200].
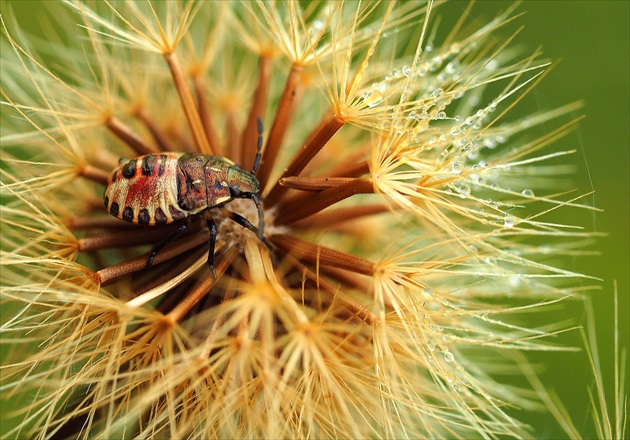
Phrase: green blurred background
[590,38]
[591,41]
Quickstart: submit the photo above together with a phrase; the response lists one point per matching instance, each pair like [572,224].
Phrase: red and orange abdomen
[144,190]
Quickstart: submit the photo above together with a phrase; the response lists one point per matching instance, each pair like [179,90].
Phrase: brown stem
[188,105]
[202,288]
[123,239]
[334,217]
[233,145]
[140,263]
[99,223]
[158,136]
[290,213]
[94,174]
[311,147]
[250,134]
[128,136]
[351,279]
[280,124]
[204,111]
[304,250]
[313,184]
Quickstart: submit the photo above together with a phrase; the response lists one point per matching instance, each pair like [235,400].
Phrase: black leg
[212,227]
[247,225]
[174,236]
[261,221]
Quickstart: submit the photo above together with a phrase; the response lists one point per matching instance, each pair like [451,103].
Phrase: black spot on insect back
[148,164]
[162,164]
[127,213]
[106,202]
[114,209]
[143,217]
[160,217]
[129,170]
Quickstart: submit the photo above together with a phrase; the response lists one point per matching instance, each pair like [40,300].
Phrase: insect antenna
[259,147]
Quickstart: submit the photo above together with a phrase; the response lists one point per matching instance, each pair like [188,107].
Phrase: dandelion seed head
[401,214]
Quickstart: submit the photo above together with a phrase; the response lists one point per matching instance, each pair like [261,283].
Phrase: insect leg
[247,225]
[212,227]
[261,217]
[174,236]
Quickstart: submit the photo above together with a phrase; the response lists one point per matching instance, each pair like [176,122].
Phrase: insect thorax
[204,181]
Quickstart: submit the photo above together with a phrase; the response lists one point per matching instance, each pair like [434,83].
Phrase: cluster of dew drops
[465,149]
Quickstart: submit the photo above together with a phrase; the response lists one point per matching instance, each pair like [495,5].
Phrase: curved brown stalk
[280,124]
[158,136]
[188,105]
[94,174]
[250,133]
[334,217]
[201,289]
[123,239]
[291,213]
[180,247]
[326,129]
[98,223]
[204,111]
[313,253]
[128,136]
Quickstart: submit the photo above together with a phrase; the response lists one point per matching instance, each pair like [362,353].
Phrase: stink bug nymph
[158,189]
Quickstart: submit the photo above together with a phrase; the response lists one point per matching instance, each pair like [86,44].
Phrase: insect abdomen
[144,190]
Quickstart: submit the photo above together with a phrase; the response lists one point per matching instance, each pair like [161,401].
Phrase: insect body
[158,189]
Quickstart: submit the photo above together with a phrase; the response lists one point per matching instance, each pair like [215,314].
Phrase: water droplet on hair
[457,168]
[448,356]
[373,98]
[509,221]
[527,193]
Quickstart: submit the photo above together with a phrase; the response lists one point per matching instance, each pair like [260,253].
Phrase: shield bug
[158,189]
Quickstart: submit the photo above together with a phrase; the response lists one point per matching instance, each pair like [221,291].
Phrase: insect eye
[199,159]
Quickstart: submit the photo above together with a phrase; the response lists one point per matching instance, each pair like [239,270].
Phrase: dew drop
[490,143]
[373,98]
[527,193]
[452,67]
[457,168]
[509,221]
[448,356]
[441,115]
[464,191]
[406,70]
[318,25]
[437,93]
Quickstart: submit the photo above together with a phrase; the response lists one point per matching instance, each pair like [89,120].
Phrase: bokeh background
[588,40]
